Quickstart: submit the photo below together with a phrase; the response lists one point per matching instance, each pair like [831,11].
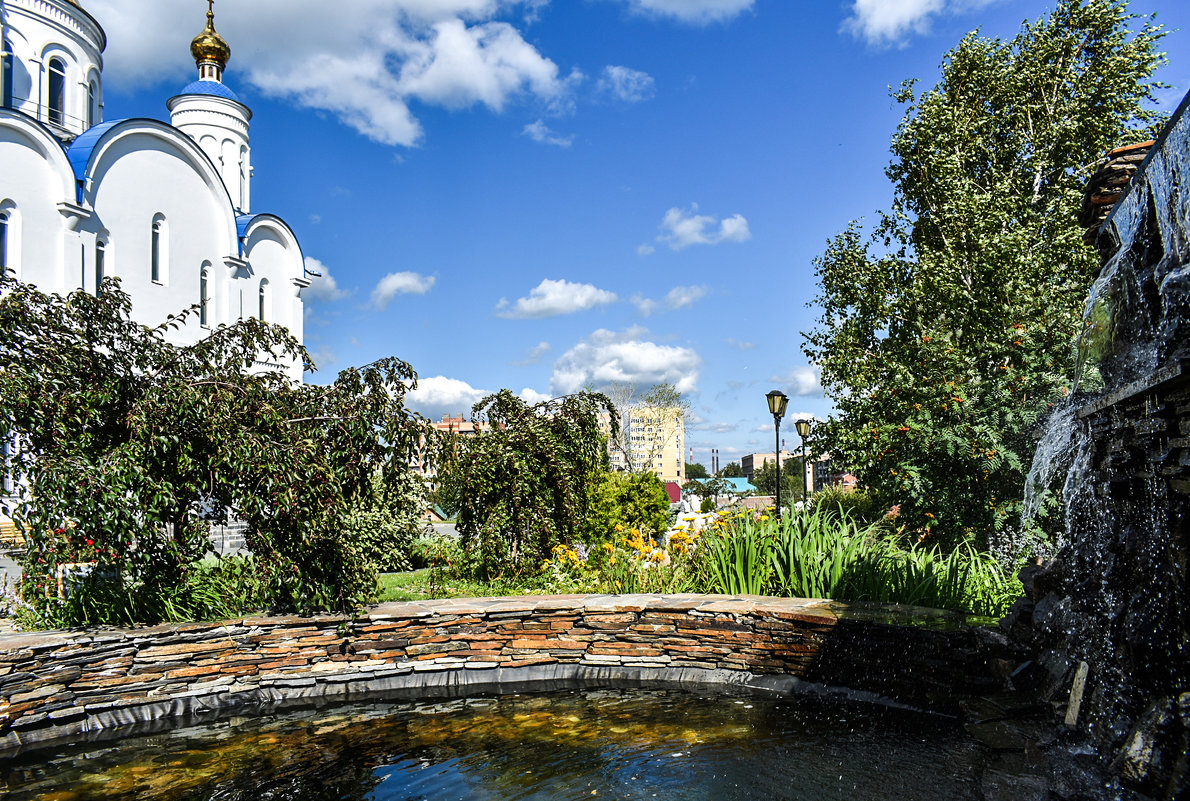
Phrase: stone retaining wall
[59,685]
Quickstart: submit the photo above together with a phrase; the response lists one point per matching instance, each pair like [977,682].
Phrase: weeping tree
[526,477]
[945,333]
[125,447]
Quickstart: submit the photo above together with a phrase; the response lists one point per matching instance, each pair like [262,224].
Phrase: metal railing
[57,118]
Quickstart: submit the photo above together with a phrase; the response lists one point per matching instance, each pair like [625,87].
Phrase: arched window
[3,242]
[265,312]
[243,178]
[92,104]
[100,258]
[159,247]
[204,298]
[57,91]
[6,81]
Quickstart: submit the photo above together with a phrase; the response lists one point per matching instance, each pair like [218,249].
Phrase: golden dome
[209,45]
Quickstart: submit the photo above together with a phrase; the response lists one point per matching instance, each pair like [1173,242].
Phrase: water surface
[612,744]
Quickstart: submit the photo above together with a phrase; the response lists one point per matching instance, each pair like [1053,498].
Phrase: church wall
[30,189]
[195,229]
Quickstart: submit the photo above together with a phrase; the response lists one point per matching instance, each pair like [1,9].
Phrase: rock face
[1115,604]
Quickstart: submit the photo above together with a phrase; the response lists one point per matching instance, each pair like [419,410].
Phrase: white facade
[164,207]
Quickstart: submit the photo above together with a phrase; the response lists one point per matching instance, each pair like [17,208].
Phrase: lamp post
[778,400]
[803,431]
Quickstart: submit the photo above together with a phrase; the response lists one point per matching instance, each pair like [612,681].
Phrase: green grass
[420,585]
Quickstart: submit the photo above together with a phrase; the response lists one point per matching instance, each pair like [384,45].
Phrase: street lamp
[803,431]
[778,400]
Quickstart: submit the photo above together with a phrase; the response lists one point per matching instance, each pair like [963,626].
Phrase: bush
[526,478]
[128,447]
[384,531]
[632,500]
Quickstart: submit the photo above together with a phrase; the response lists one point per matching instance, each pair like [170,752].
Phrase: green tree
[945,335]
[731,470]
[527,477]
[765,479]
[632,500]
[129,447]
[696,470]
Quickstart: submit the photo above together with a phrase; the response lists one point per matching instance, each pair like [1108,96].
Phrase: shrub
[526,478]
[129,447]
[632,500]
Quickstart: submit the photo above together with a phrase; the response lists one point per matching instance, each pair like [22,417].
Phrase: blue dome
[213,88]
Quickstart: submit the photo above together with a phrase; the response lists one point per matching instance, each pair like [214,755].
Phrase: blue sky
[549,194]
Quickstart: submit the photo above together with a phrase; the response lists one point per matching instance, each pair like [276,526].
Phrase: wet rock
[1146,758]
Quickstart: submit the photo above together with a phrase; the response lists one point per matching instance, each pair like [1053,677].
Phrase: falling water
[1116,596]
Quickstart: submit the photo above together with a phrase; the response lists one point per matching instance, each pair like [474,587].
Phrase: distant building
[651,440]
[752,462]
[456,426]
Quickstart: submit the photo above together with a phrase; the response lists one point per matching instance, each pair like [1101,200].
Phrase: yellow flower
[619,528]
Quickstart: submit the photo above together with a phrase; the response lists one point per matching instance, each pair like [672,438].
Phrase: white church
[165,207]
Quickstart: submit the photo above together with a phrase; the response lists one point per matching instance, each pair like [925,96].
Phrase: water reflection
[586,744]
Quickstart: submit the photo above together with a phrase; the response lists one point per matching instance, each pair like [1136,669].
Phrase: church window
[6,68]
[92,104]
[57,92]
[100,256]
[204,298]
[264,300]
[159,247]
[3,241]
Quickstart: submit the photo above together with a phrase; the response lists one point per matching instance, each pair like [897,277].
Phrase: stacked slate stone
[1107,185]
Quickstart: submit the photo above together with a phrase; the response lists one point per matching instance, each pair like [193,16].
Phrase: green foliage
[526,478]
[823,554]
[129,447]
[383,527]
[740,563]
[792,484]
[707,505]
[696,470]
[858,505]
[945,335]
[731,470]
[633,500]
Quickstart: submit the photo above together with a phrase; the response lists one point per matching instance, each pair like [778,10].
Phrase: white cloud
[682,296]
[323,286]
[886,22]
[551,298]
[540,132]
[677,298]
[628,356]
[800,381]
[699,12]
[739,345]
[323,358]
[681,229]
[625,83]
[645,249]
[403,283]
[532,396]
[366,62]
[439,395]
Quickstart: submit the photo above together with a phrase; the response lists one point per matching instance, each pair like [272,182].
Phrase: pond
[615,744]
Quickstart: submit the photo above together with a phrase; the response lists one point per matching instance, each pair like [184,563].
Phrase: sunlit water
[584,744]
